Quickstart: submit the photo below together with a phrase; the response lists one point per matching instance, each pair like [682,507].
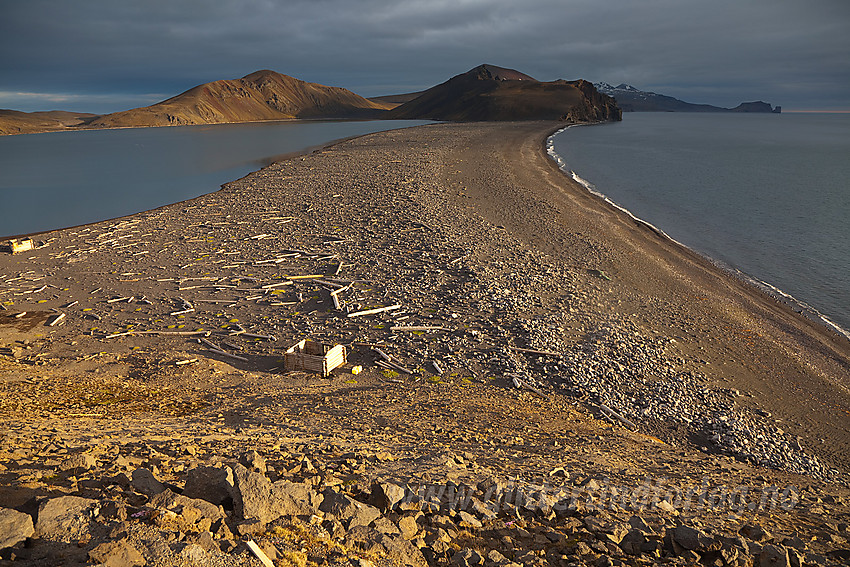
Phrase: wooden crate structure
[15,246]
[311,356]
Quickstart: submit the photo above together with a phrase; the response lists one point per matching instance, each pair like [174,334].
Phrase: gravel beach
[520,340]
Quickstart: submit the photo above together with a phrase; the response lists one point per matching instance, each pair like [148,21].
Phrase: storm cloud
[103,55]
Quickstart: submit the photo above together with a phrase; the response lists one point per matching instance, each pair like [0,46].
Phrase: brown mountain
[488,92]
[16,122]
[263,95]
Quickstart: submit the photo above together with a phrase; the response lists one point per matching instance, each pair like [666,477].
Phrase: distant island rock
[490,93]
[631,99]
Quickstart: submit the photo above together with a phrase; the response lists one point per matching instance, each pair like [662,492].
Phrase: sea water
[766,195]
[61,179]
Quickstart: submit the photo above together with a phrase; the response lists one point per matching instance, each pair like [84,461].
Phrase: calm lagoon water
[765,194]
[61,179]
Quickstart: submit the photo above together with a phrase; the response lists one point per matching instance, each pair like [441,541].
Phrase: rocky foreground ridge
[192,501]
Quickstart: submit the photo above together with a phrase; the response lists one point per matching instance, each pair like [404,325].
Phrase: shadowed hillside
[494,93]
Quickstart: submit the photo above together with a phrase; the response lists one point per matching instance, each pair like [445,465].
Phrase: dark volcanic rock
[493,93]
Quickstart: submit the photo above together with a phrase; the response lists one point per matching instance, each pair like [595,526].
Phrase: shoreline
[757,283]
[265,163]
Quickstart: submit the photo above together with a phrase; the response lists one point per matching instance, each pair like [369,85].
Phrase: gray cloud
[719,52]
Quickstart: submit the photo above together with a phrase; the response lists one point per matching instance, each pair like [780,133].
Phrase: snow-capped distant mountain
[631,99]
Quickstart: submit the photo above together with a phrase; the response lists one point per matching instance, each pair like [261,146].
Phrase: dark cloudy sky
[107,55]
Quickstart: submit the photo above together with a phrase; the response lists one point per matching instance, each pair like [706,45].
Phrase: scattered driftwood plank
[419,328]
[612,415]
[278,284]
[184,362]
[56,319]
[175,333]
[228,355]
[124,334]
[327,283]
[187,308]
[523,384]
[389,363]
[258,553]
[394,366]
[183,311]
[374,311]
[532,351]
[382,354]
[255,336]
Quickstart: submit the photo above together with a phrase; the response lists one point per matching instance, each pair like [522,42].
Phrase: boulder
[15,527]
[212,484]
[145,482]
[402,552]
[255,497]
[193,509]
[347,510]
[408,527]
[387,495]
[756,533]
[65,518]
[80,461]
[194,553]
[116,554]
[252,460]
[295,498]
[774,556]
[467,558]
[251,493]
[690,538]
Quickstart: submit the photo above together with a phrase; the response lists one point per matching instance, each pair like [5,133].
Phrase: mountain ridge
[631,99]
[261,95]
[484,93]
[488,92]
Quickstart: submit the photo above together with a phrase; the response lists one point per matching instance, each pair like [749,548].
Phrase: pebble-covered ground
[526,344]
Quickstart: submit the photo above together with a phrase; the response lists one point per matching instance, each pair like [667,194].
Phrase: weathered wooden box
[311,356]
[15,246]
